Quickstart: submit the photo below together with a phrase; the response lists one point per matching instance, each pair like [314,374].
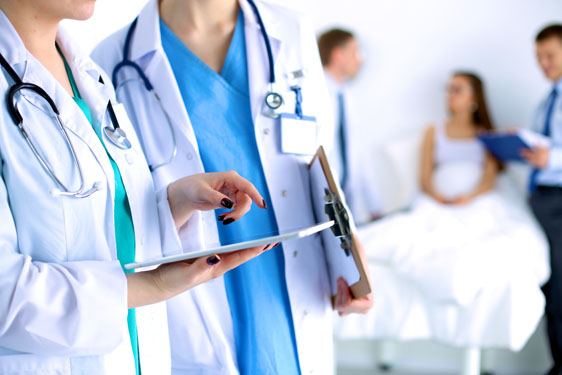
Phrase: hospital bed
[471,292]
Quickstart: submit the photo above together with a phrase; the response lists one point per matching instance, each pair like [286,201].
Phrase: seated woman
[468,218]
[455,167]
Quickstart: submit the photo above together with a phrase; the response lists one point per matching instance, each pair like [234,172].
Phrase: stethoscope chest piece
[272,103]
[118,137]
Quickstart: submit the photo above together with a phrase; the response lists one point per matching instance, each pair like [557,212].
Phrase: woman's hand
[462,200]
[208,191]
[346,304]
[171,279]
[439,198]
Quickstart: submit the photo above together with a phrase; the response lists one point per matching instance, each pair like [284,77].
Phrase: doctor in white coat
[209,29]
[64,297]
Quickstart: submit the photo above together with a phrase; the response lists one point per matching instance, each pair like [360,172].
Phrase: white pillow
[404,158]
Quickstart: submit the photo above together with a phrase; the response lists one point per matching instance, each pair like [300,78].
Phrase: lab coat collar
[31,70]
[147,39]
[94,88]
[11,45]
[273,27]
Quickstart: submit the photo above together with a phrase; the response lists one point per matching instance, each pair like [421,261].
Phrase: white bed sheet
[465,276]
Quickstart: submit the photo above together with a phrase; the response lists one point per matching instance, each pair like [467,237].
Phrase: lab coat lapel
[93,92]
[258,65]
[159,71]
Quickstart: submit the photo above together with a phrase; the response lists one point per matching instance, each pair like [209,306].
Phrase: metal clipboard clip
[337,212]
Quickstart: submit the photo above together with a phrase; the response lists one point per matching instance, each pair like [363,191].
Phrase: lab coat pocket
[190,343]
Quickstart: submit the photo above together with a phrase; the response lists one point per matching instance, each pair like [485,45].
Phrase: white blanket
[467,275]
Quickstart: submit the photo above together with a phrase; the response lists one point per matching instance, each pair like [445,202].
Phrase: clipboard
[340,247]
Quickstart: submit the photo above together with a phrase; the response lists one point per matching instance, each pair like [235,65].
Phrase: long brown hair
[481,115]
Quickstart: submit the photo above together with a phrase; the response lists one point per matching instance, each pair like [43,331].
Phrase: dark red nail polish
[227,203]
[228,221]
[211,261]
[264,204]
[221,217]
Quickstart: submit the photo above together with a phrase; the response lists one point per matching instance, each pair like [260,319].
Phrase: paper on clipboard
[348,265]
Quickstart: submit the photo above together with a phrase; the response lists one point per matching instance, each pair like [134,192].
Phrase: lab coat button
[266,131]
[283,193]
[130,159]
[295,253]
[189,156]
[305,313]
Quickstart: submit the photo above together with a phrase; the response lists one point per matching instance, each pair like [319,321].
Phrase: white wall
[411,47]
[109,16]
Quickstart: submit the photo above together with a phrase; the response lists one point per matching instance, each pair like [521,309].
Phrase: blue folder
[504,147]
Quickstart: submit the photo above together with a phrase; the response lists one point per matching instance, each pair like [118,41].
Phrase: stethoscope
[273,100]
[115,134]
[272,103]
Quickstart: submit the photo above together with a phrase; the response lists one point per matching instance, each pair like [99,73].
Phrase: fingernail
[211,261]
[228,221]
[221,217]
[264,204]
[227,203]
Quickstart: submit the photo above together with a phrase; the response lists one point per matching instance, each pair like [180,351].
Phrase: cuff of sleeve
[83,308]
[555,158]
[104,314]
[170,239]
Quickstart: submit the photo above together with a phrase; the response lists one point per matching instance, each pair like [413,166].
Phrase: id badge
[299,135]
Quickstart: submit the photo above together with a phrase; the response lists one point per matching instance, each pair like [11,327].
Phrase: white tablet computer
[282,236]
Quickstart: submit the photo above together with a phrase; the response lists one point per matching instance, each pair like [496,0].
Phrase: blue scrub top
[219,108]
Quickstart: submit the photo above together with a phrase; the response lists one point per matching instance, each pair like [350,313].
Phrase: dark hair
[330,40]
[550,31]
[481,116]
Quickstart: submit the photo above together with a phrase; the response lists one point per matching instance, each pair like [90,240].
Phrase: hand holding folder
[507,147]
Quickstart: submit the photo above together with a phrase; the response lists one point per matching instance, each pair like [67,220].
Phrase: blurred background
[410,48]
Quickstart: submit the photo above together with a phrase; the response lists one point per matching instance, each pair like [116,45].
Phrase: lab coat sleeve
[71,308]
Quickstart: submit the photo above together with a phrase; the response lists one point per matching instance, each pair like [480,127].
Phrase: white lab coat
[201,330]
[63,294]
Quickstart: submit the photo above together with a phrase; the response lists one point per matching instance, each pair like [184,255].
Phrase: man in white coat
[202,329]
[341,58]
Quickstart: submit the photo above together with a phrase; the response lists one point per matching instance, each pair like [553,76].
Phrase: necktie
[342,136]
[546,131]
